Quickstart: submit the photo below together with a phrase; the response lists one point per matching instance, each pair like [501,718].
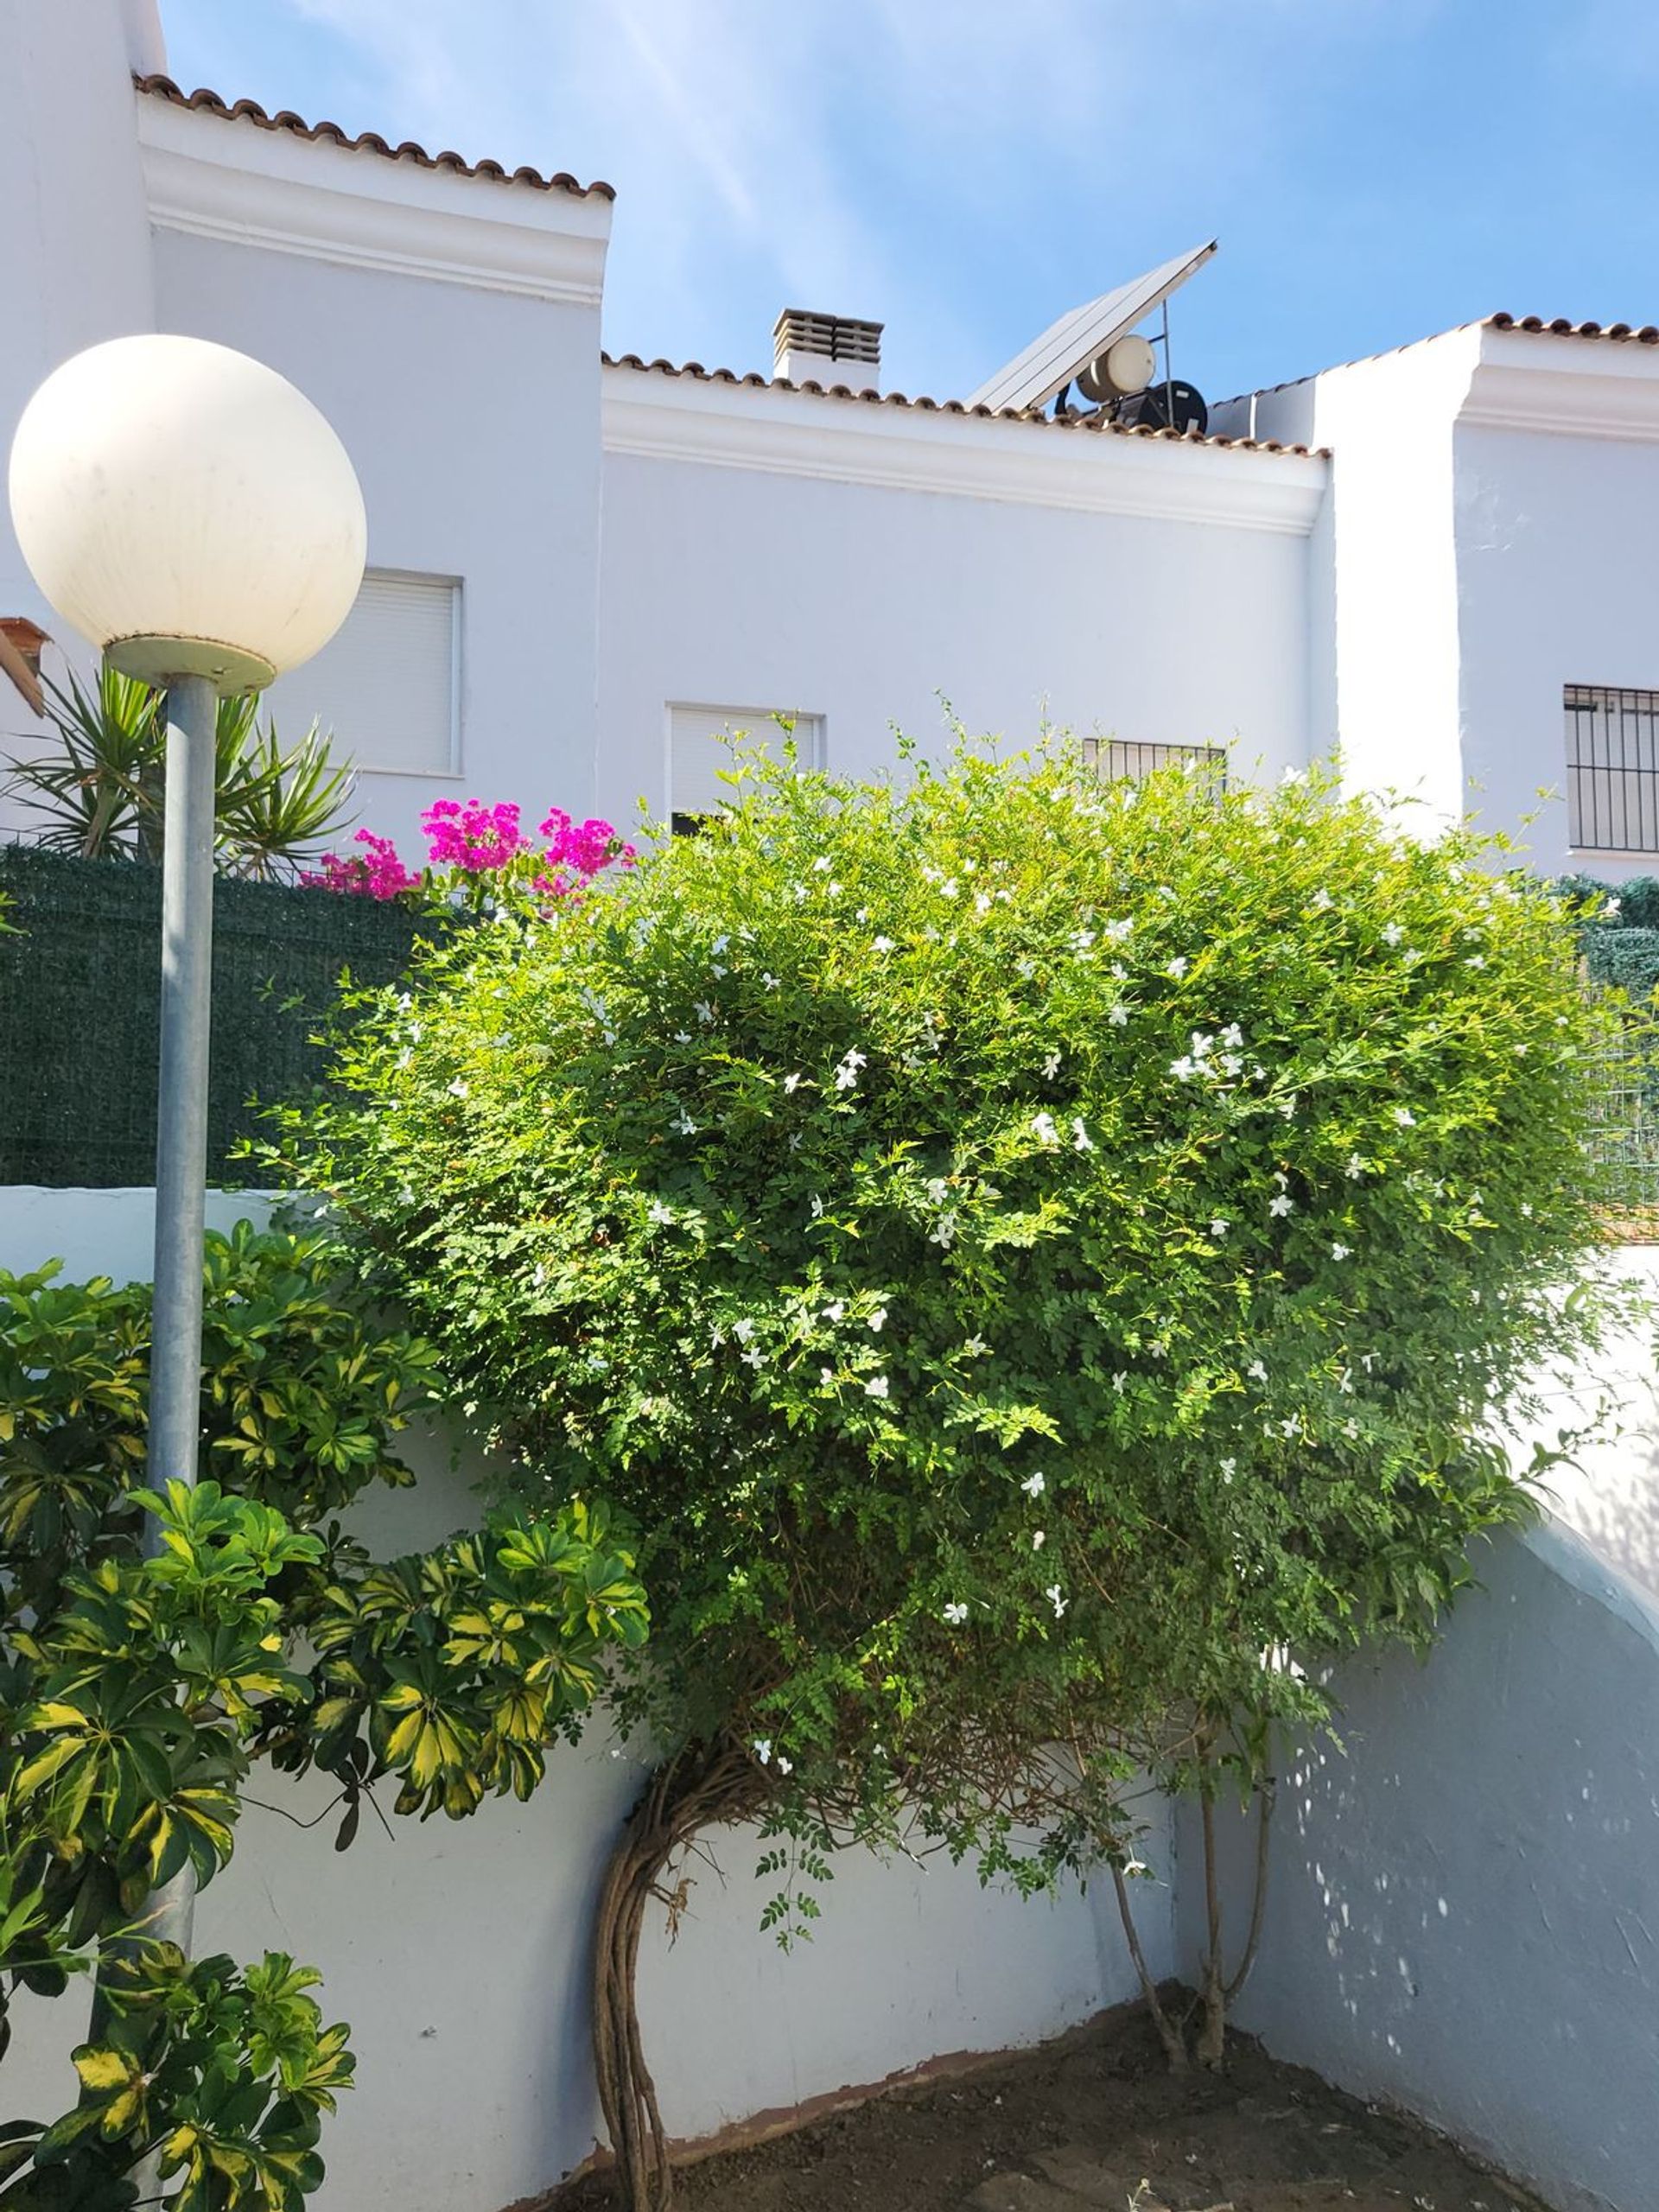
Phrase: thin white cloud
[948,166]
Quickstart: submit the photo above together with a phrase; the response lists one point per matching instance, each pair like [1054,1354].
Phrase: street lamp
[195,517]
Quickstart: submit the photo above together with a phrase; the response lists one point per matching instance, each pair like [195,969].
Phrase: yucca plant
[99,796]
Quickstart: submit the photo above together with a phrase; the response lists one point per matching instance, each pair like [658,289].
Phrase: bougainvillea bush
[1039,1262]
[476,852]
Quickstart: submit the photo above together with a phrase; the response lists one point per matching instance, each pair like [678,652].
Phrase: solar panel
[1078,338]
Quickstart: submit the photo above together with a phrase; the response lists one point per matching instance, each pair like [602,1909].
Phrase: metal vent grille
[829,336]
[1612,769]
[1117,760]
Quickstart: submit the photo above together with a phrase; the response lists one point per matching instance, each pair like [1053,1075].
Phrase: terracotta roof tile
[1560,328]
[367,141]
[1092,420]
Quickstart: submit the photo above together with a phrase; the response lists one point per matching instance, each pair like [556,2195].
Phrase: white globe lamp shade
[188,509]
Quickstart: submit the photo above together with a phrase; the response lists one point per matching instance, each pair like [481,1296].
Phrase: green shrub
[1018,1249]
[137,1691]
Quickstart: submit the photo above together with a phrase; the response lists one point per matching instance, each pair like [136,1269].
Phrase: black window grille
[1117,759]
[1612,769]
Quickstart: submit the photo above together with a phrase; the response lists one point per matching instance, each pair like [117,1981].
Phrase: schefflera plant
[1041,1264]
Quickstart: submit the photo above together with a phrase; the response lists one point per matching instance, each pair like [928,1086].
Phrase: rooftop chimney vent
[833,348]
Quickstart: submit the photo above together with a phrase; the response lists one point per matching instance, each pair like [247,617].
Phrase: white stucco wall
[469,407]
[1105,585]
[1463,1915]
[459,1952]
[1558,564]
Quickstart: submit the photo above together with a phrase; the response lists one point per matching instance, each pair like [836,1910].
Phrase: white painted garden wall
[458,1953]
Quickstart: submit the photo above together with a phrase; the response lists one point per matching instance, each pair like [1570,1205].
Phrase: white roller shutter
[388,684]
[699,743]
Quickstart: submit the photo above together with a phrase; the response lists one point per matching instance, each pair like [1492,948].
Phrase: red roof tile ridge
[369,142]
[1645,334]
[1093,420]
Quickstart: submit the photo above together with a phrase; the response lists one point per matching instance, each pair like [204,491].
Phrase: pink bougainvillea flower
[376,873]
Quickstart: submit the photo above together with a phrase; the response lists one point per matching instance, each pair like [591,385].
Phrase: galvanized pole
[181,1139]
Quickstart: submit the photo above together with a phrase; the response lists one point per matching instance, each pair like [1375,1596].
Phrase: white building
[1441,559]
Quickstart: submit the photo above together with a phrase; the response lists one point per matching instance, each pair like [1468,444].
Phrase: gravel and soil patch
[1096,2123]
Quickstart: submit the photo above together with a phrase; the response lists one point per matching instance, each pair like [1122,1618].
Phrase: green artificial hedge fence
[79,1009]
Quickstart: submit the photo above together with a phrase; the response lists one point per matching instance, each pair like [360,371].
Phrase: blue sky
[965,170]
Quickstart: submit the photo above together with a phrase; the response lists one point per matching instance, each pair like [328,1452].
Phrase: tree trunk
[700,1787]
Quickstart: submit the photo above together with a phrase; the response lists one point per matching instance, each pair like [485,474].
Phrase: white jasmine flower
[1342,1251]
[658,1213]
[982,902]
[956,1614]
[704,1012]
[1257,1372]
[1177,967]
[833,889]
[1232,1035]
[1025,969]
[1118,1014]
[1321,900]
[835,1310]
[685,1125]
[826,1377]
[1034,1485]
[743,1330]
[1228,1469]
[458,1088]
[1355,1167]
[817,1207]
[768,979]
[879,1320]
[406,1196]
[1043,1127]
[1054,1597]
[1119,1381]
[974,1348]
[1405,1118]
[538,1275]
[937,1186]
[720,944]
[883,944]
[1475,960]
[1393,933]
[846,1072]
[784,1766]
[877,1387]
[792,1083]
[1279,1206]
[1218,1227]
[406,1057]
[944,1231]
[1185,1069]
[1610,912]
[1039,1538]
[1082,939]
[1116,933]
[762,1748]
[682,1036]
[821,866]
[1526,1211]
[1081,1139]
[1050,1066]
[1288,1106]
[753,1357]
[950,889]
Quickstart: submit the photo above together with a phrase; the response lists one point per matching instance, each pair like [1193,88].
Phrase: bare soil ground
[1097,2124]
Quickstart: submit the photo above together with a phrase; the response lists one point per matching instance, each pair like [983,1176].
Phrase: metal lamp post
[195,517]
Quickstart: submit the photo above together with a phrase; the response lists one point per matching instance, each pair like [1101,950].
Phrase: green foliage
[99,795]
[224,2072]
[137,1689]
[1019,1250]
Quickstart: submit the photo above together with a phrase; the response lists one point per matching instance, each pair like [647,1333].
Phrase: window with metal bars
[1612,768]
[1117,759]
